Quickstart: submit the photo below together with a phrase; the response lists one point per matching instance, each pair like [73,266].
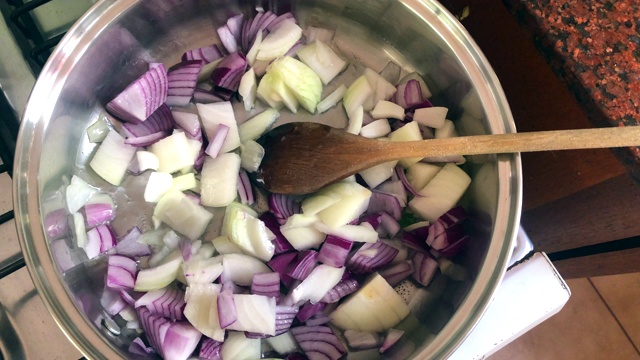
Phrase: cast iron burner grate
[40,47]
[9,126]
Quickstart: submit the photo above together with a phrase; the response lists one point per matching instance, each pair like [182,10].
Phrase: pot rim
[52,288]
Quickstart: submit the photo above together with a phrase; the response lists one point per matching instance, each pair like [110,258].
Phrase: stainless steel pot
[112,44]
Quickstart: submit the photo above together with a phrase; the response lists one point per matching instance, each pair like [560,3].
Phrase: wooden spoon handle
[521,142]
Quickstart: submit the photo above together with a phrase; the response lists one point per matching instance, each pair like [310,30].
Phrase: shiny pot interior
[112,45]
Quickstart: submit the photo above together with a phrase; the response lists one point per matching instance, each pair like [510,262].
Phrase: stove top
[28,331]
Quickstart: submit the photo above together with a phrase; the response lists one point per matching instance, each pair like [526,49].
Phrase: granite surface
[594,47]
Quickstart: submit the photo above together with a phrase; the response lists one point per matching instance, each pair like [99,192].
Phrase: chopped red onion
[121,272]
[213,149]
[227,314]
[130,300]
[408,94]
[359,340]
[308,310]
[112,302]
[229,71]
[160,121]
[99,240]
[138,347]
[383,202]
[397,272]
[179,340]
[210,349]
[267,284]
[258,24]
[425,267]
[98,213]
[446,236]
[188,122]
[142,97]
[56,223]
[283,206]
[342,289]
[317,320]
[373,220]
[319,342]
[399,170]
[284,318]
[167,302]
[146,140]
[244,188]
[206,97]
[129,245]
[273,24]
[281,243]
[334,251]
[208,54]
[370,257]
[229,33]
[389,227]
[304,264]
[392,337]
[183,79]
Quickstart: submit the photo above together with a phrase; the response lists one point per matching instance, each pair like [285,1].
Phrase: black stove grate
[9,126]
[39,47]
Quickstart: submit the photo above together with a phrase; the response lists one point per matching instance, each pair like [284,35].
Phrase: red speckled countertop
[594,47]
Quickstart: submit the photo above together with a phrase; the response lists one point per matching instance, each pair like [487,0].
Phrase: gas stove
[531,291]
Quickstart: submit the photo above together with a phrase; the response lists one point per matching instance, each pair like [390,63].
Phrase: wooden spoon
[301,158]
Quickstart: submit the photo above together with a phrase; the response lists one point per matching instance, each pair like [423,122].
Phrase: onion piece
[283,343]
[142,97]
[234,28]
[244,188]
[215,144]
[99,210]
[201,96]
[160,276]
[251,155]
[208,54]
[280,264]
[129,245]
[398,272]
[210,349]
[360,340]
[322,59]
[229,71]
[284,34]
[168,302]
[308,310]
[283,206]
[259,124]
[97,131]
[332,99]
[182,215]
[255,314]
[322,279]
[370,257]
[376,129]
[383,202]
[112,158]
[182,79]
[248,88]
[138,347]
[318,342]
[425,267]
[238,346]
[111,302]
[188,122]
[202,271]
[77,194]
[239,268]
[409,94]
[342,289]
[104,236]
[280,242]
[266,284]
[304,264]
[227,314]
[284,318]
[56,224]
[334,251]
[121,272]
[161,121]
[392,337]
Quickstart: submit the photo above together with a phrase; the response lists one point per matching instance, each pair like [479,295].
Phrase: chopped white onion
[147,160]
[387,109]
[219,180]
[332,99]
[376,129]
[158,184]
[220,113]
[254,127]
[321,58]
[248,88]
[182,214]
[431,116]
[322,279]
